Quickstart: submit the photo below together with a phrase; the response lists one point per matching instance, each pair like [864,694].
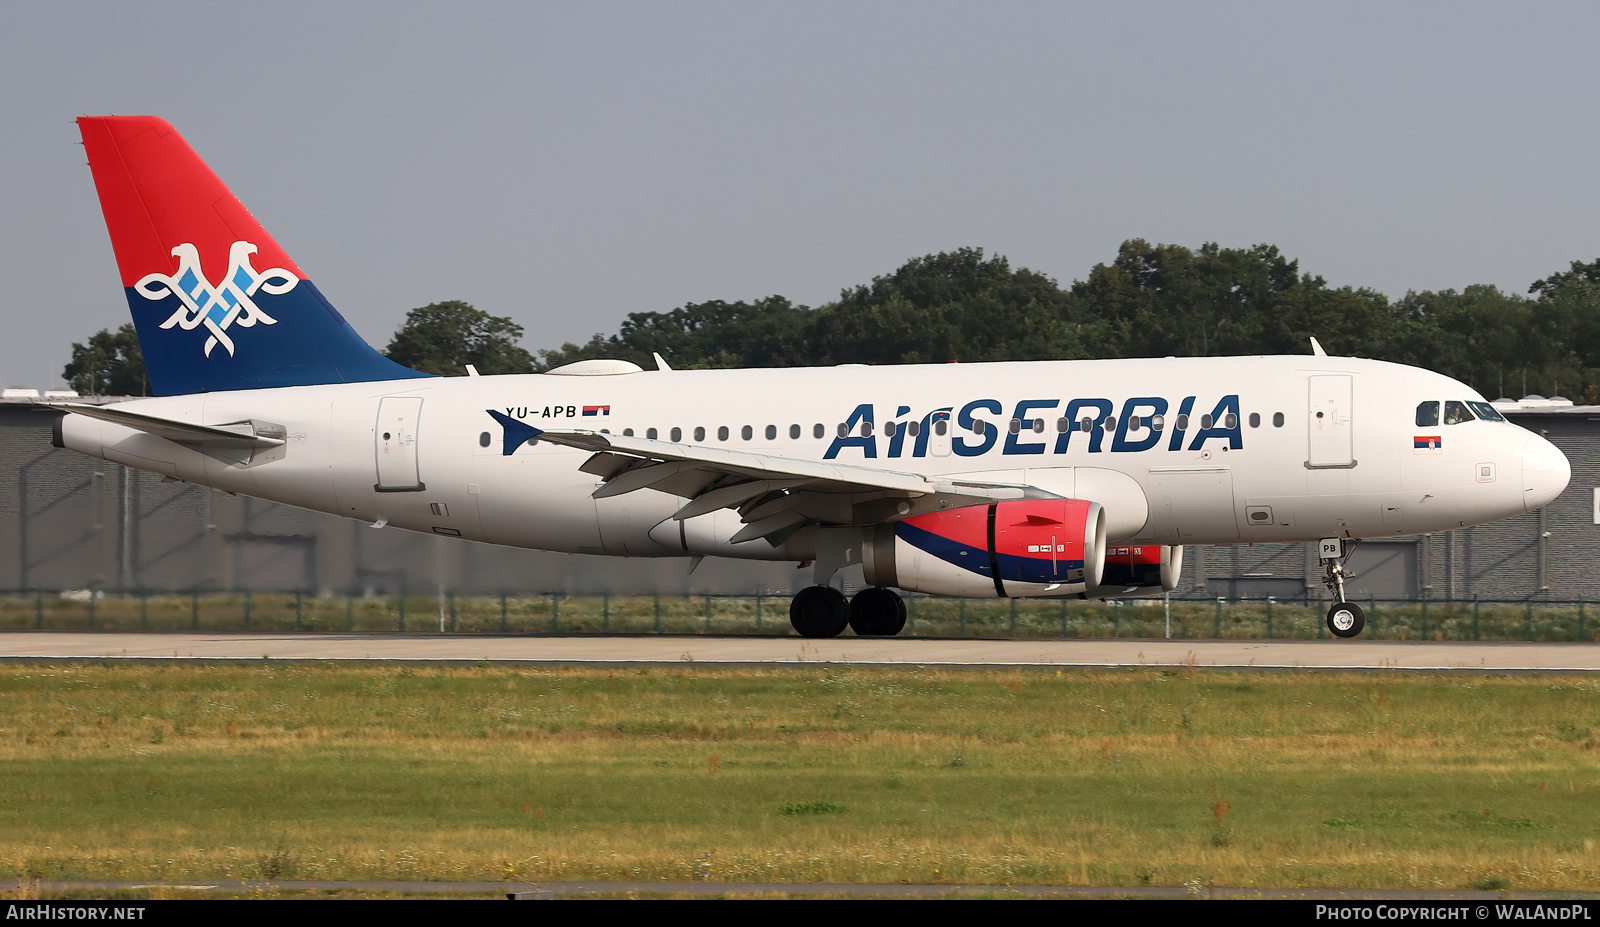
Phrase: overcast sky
[565,164]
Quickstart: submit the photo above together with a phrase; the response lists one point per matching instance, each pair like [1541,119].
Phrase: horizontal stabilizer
[246,434]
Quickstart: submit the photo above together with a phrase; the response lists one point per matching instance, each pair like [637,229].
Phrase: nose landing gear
[1345,619]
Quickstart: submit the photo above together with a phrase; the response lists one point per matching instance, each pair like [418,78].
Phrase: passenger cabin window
[1230,421]
[816,431]
[772,432]
[483,439]
[1456,412]
[941,427]
[677,434]
[650,433]
[699,432]
[794,432]
[844,430]
[1016,426]
[1158,422]
[1255,419]
[722,432]
[628,432]
[1205,420]
[1277,419]
[914,428]
[746,433]
[1427,414]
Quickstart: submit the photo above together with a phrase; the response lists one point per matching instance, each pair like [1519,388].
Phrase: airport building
[69,522]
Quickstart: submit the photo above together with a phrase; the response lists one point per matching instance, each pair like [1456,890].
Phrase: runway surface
[1471,656]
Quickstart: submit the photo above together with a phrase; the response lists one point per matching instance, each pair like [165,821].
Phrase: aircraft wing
[246,434]
[775,496]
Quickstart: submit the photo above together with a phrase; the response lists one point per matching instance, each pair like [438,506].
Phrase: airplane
[1049,479]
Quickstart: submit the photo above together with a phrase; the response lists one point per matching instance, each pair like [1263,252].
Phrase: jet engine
[1145,570]
[1034,547]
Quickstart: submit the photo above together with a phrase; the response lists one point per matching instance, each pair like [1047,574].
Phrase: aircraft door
[396,438]
[1329,422]
[939,426]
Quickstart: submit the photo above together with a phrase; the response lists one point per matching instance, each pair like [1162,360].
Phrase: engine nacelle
[1145,570]
[1035,547]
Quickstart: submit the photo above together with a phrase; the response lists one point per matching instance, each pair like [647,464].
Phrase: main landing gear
[823,611]
[877,612]
[1345,619]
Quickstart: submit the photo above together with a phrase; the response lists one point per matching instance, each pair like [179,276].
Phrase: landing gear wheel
[819,611]
[1346,620]
[877,612]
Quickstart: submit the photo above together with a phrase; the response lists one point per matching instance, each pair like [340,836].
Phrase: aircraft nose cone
[1545,472]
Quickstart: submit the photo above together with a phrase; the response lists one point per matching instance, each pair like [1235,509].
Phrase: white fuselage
[1318,447]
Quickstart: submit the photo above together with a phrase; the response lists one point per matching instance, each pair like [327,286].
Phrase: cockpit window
[1456,412]
[1486,412]
[1427,414]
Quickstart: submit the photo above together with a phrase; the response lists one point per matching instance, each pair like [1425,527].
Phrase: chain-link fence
[559,613]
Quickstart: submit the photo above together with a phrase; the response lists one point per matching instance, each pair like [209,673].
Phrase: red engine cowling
[1036,547]
[1144,570]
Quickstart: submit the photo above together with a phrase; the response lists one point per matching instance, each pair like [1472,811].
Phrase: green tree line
[1152,300]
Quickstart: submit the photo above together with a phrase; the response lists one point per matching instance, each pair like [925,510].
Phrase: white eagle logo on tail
[216,306]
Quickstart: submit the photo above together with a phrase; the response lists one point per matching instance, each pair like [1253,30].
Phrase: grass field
[292,771]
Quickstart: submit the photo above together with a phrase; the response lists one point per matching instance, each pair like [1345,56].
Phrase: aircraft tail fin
[217,303]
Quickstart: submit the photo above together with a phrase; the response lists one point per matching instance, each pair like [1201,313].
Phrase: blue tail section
[294,338]
[217,302]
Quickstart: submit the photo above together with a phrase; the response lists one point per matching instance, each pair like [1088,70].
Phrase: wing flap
[775,495]
[741,463]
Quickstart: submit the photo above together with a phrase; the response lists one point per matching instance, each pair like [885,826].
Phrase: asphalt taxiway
[1463,656]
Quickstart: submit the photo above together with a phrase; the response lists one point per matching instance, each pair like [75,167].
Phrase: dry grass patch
[826,773]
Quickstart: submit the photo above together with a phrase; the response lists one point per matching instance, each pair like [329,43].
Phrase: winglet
[517,433]
[1316,349]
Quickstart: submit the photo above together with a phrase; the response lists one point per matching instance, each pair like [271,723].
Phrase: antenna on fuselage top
[661,363]
[1316,349]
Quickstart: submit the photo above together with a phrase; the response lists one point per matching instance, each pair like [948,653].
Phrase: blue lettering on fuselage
[968,420]
[848,436]
[1142,424]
